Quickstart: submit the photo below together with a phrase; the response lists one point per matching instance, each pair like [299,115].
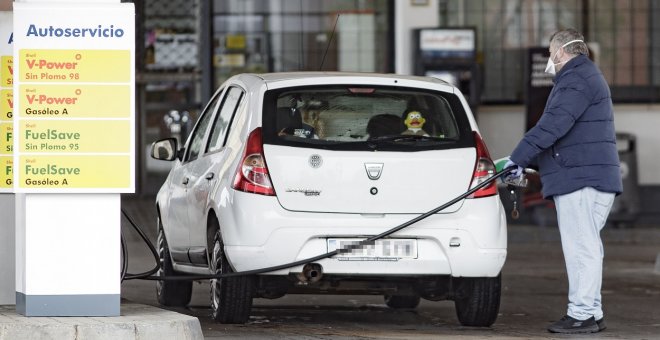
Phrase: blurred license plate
[379,249]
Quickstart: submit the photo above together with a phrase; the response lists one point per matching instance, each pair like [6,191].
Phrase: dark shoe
[569,325]
[601,324]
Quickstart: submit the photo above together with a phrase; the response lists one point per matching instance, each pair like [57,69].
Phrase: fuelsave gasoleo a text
[75,113]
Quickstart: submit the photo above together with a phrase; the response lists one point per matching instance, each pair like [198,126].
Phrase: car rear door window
[224,117]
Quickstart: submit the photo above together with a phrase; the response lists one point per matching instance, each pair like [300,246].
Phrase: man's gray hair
[559,38]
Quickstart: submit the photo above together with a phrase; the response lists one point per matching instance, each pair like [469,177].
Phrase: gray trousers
[582,215]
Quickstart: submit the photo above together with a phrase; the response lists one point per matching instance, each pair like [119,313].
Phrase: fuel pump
[449,53]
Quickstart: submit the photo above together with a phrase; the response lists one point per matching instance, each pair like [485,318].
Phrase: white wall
[503,126]
[408,17]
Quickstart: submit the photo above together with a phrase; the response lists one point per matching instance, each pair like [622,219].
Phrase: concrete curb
[139,322]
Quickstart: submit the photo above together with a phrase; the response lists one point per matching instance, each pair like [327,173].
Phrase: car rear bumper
[277,236]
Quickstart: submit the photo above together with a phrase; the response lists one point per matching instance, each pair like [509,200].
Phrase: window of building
[622,35]
[294,35]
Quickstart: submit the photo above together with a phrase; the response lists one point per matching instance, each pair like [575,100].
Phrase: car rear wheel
[402,301]
[231,297]
[477,300]
[170,293]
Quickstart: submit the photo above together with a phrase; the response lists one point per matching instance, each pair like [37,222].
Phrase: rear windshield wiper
[407,139]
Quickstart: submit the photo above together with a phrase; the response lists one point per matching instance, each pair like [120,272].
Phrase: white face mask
[550,67]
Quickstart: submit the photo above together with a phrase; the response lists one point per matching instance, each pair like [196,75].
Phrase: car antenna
[302,34]
[329,42]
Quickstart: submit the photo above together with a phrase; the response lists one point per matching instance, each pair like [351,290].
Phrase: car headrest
[384,124]
[288,117]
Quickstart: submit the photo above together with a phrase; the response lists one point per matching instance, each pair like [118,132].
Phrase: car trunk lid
[376,182]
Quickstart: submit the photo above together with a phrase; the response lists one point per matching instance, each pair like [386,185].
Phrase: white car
[285,166]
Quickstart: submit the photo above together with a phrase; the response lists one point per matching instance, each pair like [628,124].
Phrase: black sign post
[539,84]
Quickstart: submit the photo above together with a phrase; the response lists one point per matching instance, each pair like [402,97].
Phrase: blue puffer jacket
[574,142]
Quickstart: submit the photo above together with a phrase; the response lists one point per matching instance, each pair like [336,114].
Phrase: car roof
[287,76]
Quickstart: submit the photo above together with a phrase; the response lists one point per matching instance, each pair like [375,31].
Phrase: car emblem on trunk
[315,161]
[374,170]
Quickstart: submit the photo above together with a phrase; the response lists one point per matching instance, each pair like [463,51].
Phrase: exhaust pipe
[312,273]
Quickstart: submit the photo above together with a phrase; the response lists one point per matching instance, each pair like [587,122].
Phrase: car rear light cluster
[483,169]
[252,173]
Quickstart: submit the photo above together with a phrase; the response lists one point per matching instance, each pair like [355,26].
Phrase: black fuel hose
[124,251]
[148,275]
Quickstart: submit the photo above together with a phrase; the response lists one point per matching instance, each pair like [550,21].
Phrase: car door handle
[185,181]
[210,176]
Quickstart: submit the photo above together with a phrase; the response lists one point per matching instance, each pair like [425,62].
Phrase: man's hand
[515,173]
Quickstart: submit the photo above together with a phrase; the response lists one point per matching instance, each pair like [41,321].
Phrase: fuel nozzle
[519,182]
[513,184]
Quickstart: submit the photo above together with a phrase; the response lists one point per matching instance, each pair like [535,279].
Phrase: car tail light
[252,173]
[483,169]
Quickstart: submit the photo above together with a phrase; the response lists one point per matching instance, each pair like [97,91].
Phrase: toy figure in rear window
[414,121]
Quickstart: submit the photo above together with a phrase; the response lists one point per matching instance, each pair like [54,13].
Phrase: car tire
[477,300]
[231,297]
[402,301]
[170,293]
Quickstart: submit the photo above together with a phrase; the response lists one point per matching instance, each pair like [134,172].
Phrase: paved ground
[534,294]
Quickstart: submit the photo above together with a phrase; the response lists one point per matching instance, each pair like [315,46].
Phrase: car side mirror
[164,149]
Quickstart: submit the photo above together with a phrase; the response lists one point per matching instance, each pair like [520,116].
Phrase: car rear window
[365,118]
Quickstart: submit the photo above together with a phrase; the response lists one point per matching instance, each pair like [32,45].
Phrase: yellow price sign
[6,136]
[6,71]
[6,172]
[6,104]
[74,172]
[103,66]
[75,136]
[235,41]
[75,101]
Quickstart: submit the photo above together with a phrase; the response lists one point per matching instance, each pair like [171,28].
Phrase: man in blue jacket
[574,146]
